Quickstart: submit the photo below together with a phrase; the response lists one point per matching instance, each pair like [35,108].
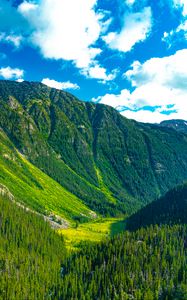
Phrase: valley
[92,205]
[93,232]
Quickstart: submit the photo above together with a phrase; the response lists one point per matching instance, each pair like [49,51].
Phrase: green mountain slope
[113,164]
[34,188]
[169,209]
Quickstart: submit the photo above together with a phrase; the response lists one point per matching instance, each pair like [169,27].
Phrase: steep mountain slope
[33,188]
[169,209]
[179,125]
[113,164]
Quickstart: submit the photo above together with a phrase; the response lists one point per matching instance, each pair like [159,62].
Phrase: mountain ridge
[114,165]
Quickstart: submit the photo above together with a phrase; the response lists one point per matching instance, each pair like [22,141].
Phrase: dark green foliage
[150,264]
[170,209]
[31,254]
[113,164]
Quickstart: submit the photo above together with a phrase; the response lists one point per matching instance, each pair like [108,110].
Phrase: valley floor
[95,231]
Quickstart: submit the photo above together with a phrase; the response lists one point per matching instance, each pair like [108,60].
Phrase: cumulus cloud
[100,73]
[67,29]
[136,28]
[116,101]
[10,73]
[26,7]
[60,85]
[168,73]
[160,83]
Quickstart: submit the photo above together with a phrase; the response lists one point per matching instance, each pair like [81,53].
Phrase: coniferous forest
[149,263]
[93,206]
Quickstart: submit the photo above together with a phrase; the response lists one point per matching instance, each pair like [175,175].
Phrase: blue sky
[129,54]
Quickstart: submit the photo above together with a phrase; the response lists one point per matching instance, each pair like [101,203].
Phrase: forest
[146,264]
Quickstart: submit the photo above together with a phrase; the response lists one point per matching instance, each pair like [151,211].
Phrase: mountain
[33,188]
[112,164]
[179,125]
[169,209]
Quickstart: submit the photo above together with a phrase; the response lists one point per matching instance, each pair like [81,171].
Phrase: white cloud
[26,7]
[60,85]
[180,33]
[130,2]
[167,72]
[158,82]
[12,38]
[181,4]
[98,72]
[152,117]
[65,29]
[137,27]
[9,73]
[182,26]
[168,38]
[114,100]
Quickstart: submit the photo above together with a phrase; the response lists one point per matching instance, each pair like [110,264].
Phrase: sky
[129,54]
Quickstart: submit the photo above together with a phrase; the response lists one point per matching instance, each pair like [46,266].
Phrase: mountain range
[94,159]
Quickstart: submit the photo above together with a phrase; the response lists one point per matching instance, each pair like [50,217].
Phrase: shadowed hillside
[170,209]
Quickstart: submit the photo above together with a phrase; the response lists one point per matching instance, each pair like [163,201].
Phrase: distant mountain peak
[179,125]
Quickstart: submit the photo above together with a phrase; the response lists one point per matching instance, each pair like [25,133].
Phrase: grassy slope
[38,191]
[34,188]
[94,231]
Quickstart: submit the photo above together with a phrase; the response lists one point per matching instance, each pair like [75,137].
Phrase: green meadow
[93,231]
